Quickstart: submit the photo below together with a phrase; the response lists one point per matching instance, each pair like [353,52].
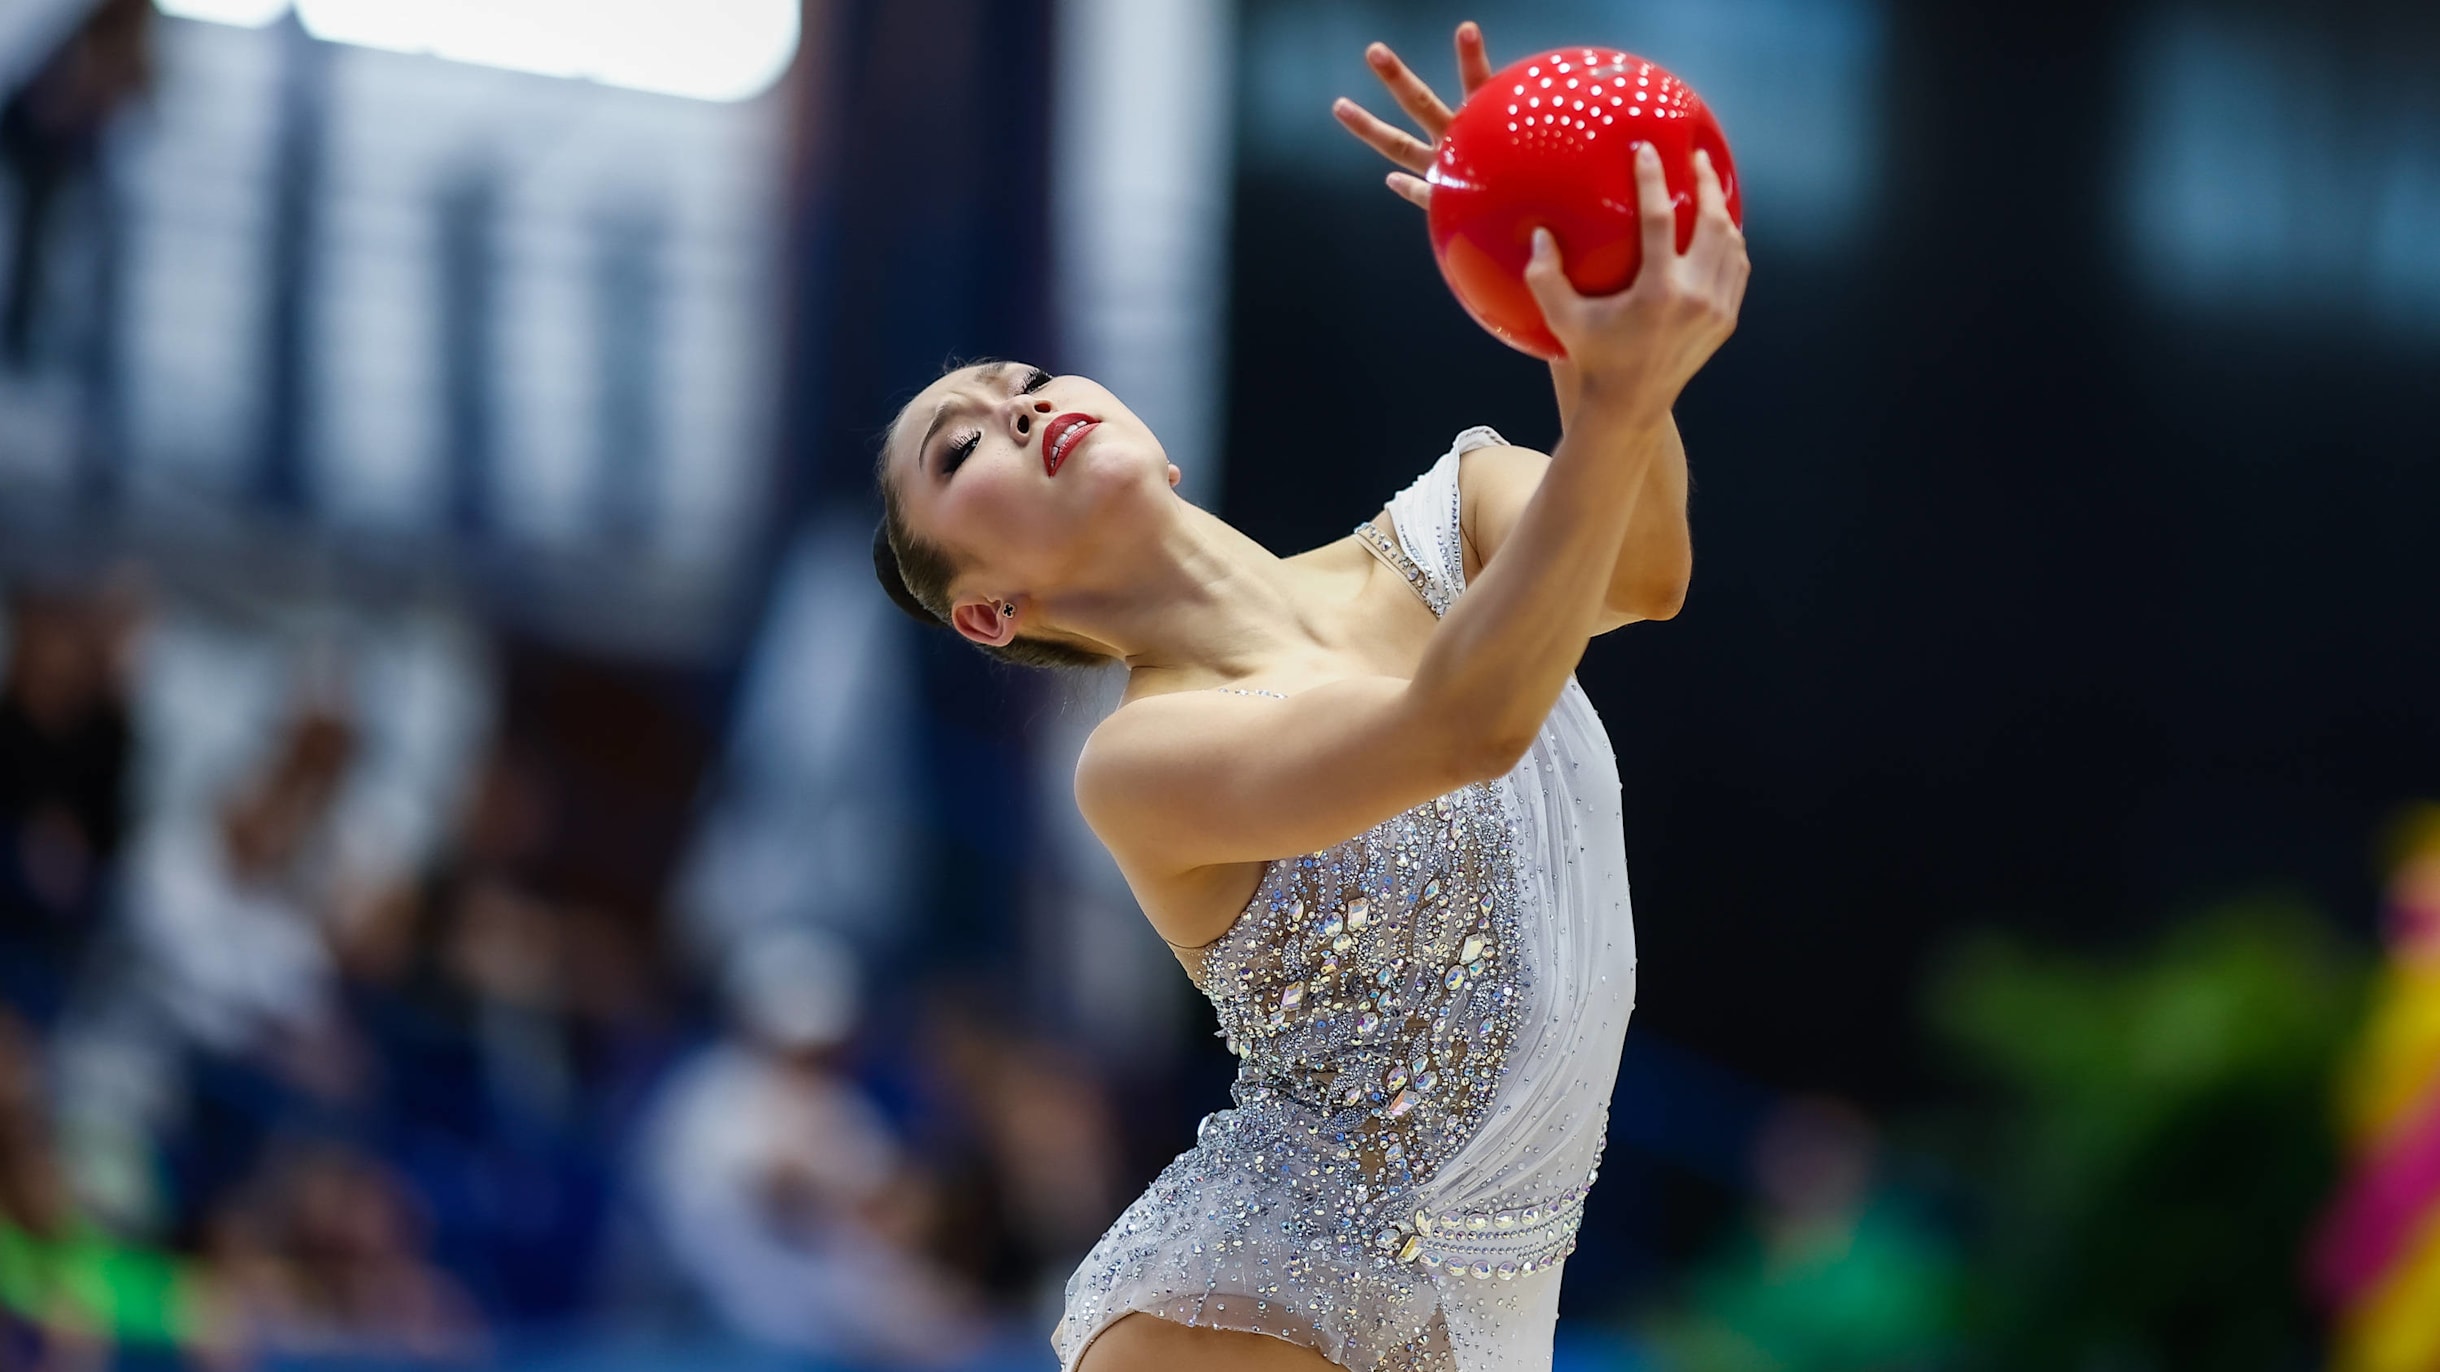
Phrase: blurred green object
[1869,1292]
[2154,1142]
[128,1294]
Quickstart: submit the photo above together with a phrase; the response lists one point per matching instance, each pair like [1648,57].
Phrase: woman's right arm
[1197,779]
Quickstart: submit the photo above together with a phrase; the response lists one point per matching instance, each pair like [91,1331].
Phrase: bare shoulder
[1153,783]
[1493,486]
[1176,781]
[1142,747]
[1497,467]
[1138,720]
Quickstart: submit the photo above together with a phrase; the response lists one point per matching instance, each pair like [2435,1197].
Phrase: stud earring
[1008,609]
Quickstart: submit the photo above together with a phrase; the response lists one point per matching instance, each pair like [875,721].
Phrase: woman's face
[1013,470]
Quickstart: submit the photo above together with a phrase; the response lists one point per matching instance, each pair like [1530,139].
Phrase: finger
[1473,58]
[1547,279]
[1414,188]
[1727,280]
[1709,200]
[1653,208]
[1724,278]
[1730,241]
[1409,91]
[1387,139]
[1713,232]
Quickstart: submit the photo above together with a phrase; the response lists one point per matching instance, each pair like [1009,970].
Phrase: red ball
[1550,142]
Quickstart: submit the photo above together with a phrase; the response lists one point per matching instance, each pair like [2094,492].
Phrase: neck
[1199,601]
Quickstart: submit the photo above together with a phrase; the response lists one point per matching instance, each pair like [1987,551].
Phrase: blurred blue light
[2268,172]
[1796,85]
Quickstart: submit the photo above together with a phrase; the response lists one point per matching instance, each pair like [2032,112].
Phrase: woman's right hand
[1642,345]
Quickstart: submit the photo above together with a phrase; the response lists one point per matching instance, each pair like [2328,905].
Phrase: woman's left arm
[1656,556]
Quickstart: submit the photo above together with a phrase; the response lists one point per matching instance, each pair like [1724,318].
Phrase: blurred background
[486,880]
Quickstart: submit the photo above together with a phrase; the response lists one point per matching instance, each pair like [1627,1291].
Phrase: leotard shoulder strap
[1429,549]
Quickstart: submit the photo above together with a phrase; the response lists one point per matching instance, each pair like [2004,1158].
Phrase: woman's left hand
[1415,155]
[1420,104]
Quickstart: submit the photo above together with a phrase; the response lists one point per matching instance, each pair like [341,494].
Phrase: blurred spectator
[50,138]
[1031,1147]
[69,1292]
[513,1031]
[777,1185]
[2376,1260]
[324,1253]
[232,911]
[1840,1273]
[65,744]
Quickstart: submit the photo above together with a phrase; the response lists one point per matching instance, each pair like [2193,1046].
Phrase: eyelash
[964,448]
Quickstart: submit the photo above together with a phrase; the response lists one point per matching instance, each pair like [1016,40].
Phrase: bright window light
[703,49]
[246,14]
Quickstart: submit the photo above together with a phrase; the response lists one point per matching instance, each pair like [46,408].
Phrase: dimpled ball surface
[1550,141]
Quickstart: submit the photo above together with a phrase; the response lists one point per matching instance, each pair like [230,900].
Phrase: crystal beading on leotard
[1369,993]
[1426,1020]
[1371,986]
[1387,549]
[1379,1125]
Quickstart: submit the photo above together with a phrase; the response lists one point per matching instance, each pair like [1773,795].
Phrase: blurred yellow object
[2398,1060]
[2393,1330]
[2377,1259]
[2415,834]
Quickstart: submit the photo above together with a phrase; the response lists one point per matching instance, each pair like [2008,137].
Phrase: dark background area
[2019,597]
[486,877]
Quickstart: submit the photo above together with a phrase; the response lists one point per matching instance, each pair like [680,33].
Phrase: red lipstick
[1060,437]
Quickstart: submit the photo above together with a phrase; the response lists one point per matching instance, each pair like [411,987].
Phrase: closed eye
[1035,379]
[960,451]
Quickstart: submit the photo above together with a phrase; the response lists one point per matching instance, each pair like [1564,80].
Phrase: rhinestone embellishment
[1386,548]
[1377,995]
[1367,1058]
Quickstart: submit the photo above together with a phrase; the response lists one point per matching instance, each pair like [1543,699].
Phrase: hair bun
[885,570]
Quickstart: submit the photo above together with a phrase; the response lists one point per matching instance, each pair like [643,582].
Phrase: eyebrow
[940,416]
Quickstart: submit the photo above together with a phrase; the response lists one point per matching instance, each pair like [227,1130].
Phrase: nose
[1025,411]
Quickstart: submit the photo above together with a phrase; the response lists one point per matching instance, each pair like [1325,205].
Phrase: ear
[1173,474]
[980,621]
